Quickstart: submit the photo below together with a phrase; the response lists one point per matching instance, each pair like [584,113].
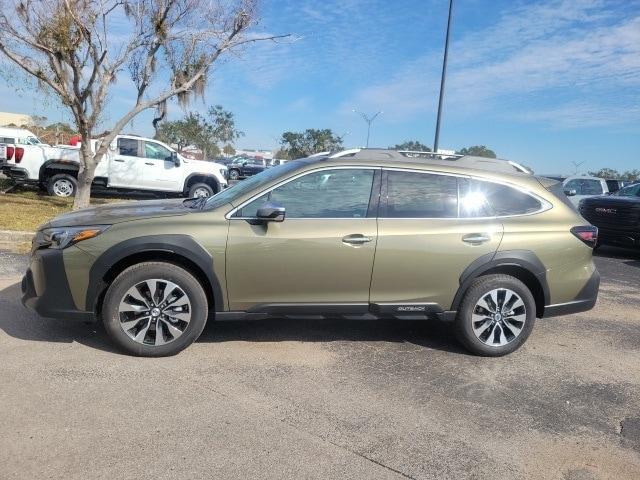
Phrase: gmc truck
[131,163]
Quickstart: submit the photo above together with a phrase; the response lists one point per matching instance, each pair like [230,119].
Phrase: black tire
[196,188]
[464,320]
[141,272]
[234,174]
[62,185]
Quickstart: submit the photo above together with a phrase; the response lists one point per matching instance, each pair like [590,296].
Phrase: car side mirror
[570,192]
[175,159]
[271,212]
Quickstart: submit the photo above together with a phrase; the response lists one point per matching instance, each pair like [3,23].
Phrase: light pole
[369,120]
[436,140]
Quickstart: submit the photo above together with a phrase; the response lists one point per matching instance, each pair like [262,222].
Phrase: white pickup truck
[132,163]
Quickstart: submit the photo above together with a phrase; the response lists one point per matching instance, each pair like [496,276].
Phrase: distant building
[264,154]
[17,119]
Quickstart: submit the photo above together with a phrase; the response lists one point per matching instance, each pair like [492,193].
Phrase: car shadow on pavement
[21,323]
[629,256]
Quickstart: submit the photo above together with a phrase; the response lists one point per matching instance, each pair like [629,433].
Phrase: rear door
[125,165]
[423,244]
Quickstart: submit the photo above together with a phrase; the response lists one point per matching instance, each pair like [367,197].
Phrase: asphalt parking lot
[325,399]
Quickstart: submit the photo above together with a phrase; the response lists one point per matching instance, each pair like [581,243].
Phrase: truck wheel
[62,185]
[155,309]
[198,190]
[234,174]
[496,315]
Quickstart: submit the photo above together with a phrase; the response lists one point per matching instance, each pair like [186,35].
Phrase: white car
[131,163]
[582,186]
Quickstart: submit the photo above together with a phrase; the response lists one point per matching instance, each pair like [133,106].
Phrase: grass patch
[27,209]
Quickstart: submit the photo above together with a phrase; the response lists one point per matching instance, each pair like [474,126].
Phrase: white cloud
[557,60]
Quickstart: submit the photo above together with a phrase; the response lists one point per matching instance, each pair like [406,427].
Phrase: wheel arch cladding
[194,178]
[521,264]
[182,250]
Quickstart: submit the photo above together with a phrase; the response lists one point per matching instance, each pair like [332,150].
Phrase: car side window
[156,151]
[420,195]
[592,187]
[128,147]
[339,193]
[480,198]
[574,185]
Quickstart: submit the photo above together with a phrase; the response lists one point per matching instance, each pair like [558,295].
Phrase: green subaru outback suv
[364,234]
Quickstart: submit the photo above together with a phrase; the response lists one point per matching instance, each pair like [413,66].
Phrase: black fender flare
[177,244]
[185,187]
[524,259]
[66,165]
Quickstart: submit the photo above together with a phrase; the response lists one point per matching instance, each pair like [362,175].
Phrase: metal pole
[369,121]
[444,75]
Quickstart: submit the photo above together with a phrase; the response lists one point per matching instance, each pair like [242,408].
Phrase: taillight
[10,152]
[588,234]
[19,154]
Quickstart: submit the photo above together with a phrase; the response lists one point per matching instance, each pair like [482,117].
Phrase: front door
[424,242]
[320,257]
[159,170]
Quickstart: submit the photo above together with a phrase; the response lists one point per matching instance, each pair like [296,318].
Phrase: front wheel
[234,174]
[154,309]
[62,185]
[200,190]
[496,315]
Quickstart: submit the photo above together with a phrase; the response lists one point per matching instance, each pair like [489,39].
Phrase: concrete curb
[9,236]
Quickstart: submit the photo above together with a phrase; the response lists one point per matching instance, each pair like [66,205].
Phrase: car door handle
[356,239]
[476,238]
[149,163]
[118,160]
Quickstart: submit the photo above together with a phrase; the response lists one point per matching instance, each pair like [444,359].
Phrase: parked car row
[132,163]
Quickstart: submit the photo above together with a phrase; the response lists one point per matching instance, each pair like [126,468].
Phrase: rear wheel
[62,185]
[496,315]
[154,309]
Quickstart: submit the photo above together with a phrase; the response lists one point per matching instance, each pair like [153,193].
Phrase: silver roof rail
[466,161]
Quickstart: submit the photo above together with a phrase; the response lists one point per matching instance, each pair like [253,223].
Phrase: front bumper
[45,288]
[622,238]
[585,300]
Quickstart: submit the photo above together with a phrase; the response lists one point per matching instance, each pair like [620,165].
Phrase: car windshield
[251,183]
[630,191]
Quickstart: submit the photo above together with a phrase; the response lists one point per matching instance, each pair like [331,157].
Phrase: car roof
[582,177]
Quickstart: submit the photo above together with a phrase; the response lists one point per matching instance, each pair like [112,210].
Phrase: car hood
[612,200]
[119,212]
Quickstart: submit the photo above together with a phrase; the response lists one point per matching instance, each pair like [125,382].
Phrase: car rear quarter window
[420,195]
[480,198]
[338,193]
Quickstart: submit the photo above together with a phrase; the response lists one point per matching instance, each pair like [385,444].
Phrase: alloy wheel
[498,317]
[201,193]
[154,312]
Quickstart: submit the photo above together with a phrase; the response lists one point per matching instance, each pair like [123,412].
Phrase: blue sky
[545,83]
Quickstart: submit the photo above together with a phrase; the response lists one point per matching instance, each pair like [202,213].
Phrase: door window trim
[230,213]
[544,204]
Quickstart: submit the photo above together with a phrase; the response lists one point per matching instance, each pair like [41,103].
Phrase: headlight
[63,237]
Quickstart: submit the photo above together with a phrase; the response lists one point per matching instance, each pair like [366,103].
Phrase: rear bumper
[619,237]
[585,300]
[45,288]
[15,173]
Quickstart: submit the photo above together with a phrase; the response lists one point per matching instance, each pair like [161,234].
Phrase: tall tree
[77,49]
[477,151]
[303,144]
[605,173]
[412,145]
[631,175]
[202,132]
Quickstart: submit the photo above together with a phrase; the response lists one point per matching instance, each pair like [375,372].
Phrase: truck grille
[612,215]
